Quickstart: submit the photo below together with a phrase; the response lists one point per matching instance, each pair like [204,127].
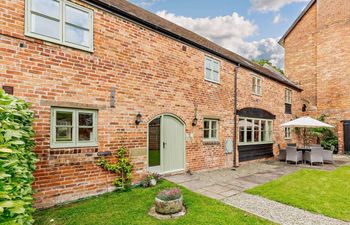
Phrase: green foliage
[263,62]
[122,169]
[17,161]
[325,136]
[146,182]
[169,194]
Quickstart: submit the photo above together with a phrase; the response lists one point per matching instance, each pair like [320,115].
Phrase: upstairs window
[212,70]
[73,128]
[288,101]
[61,22]
[257,86]
[211,130]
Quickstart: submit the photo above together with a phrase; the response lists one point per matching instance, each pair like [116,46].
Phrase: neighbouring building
[103,74]
[317,54]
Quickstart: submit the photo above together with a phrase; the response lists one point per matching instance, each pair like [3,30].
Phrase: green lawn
[323,192]
[132,208]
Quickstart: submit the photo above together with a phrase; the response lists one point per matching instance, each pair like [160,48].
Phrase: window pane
[86,119]
[241,125]
[64,118]
[249,130]
[214,125]
[63,134]
[44,26]
[206,124]
[256,130]
[47,7]
[85,134]
[263,129]
[206,133]
[77,36]
[208,63]
[216,76]
[208,74]
[216,66]
[77,17]
[214,133]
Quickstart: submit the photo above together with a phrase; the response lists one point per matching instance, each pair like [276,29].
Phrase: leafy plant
[170,194]
[325,136]
[122,168]
[17,161]
[146,182]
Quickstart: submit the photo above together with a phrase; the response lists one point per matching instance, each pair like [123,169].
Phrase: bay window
[254,131]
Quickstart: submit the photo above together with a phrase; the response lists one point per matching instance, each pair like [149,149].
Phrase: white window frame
[287,133]
[255,86]
[62,21]
[268,133]
[210,129]
[288,96]
[75,129]
[212,60]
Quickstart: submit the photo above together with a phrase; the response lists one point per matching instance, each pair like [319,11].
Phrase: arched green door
[166,144]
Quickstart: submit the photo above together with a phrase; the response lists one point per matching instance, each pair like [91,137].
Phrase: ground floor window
[287,133]
[211,130]
[73,127]
[254,131]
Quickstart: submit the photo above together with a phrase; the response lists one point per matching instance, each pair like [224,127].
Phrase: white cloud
[230,32]
[277,19]
[271,5]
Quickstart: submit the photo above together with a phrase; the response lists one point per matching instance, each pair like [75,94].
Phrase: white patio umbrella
[305,123]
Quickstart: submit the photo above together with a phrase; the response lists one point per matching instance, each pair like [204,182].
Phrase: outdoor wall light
[138,119]
[195,120]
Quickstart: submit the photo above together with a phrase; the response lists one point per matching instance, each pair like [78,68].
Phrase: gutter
[235,118]
[113,9]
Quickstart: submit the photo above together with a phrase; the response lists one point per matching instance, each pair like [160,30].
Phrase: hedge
[17,161]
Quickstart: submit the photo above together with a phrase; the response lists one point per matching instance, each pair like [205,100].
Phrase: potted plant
[169,201]
[150,180]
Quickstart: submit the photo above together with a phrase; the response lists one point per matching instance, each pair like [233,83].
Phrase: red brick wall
[323,47]
[152,75]
[300,57]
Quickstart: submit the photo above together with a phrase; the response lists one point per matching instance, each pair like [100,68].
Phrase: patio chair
[315,145]
[293,155]
[292,144]
[328,156]
[282,153]
[314,156]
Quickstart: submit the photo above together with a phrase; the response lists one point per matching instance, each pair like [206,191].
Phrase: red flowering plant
[170,194]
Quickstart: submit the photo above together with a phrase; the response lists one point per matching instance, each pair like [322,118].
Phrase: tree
[263,62]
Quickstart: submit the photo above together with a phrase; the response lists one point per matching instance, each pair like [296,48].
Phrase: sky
[250,28]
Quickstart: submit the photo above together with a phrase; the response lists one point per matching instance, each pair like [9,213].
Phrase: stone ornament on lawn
[168,204]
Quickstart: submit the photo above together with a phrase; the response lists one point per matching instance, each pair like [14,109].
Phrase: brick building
[317,53]
[103,74]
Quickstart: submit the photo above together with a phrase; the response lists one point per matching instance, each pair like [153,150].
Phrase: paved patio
[229,185]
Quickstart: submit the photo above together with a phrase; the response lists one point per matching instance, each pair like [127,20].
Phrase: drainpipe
[235,118]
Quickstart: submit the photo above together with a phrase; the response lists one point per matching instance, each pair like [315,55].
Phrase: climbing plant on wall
[122,168]
[16,160]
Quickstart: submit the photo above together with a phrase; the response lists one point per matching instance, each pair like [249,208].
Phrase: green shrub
[16,161]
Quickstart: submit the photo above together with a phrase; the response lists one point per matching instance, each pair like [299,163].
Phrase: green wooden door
[172,144]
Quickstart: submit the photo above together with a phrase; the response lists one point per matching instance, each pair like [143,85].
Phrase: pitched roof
[302,14]
[146,18]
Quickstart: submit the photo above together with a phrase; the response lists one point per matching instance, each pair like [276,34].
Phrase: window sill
[211,142]
[211,81]
[73,146]
[256,95]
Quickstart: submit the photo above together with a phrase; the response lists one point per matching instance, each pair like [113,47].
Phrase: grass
[322,192]
[132,208]
[154,157]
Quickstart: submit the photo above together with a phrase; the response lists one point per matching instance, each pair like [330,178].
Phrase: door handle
[164,143]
